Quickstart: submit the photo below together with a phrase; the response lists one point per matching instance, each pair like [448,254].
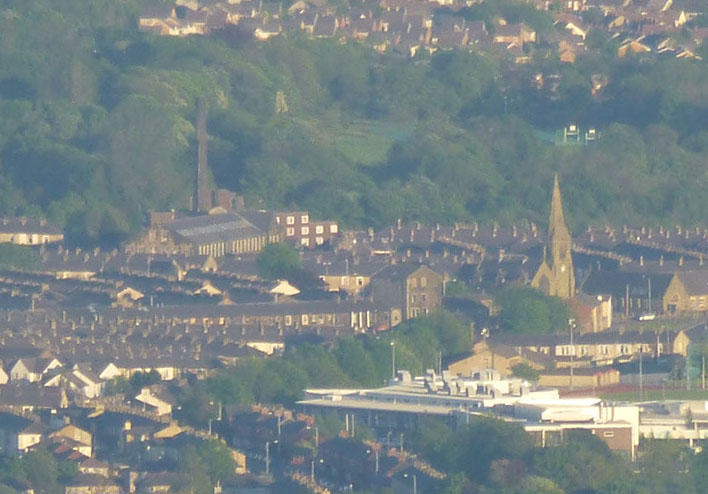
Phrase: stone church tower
[555,276]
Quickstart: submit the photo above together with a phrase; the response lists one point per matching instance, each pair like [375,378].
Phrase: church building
[555,276]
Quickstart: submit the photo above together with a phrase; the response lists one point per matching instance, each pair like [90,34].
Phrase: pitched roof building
[687,292]
[555,276]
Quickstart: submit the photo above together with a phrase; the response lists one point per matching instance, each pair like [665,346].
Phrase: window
[319,240]
[304,219]
[305,230]
[332,228]
[414,283]
[319,229]
[608,434]
[305,319]
[360,281]
[290,231]
[288,320]
[305,242]
[291,220]
[277,219]
[413,299]
[423,282]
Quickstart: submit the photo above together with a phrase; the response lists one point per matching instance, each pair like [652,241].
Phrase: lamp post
[218,415]
[571,325]
[317,440]
[415,482]
[393,359]
[267,455]
[376,453]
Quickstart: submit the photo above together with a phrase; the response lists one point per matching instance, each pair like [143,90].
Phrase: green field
[366,142]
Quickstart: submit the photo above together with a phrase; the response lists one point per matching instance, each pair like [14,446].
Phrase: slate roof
[215,228]
[695,282]
[399,271]
[11,395]
[23,225]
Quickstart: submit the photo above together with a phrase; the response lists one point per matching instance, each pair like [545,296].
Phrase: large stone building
[407,290]
[209,235]
[555,275]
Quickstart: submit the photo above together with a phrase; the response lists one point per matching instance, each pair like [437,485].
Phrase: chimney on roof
[398,223]
[661,260]
[23,220]
[681,261]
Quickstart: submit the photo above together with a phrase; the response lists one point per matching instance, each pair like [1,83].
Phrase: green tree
[582,462]
[356,361]
[525,371]
[41,470]
[527,310]
[218,458]
[140,380]
[277,261]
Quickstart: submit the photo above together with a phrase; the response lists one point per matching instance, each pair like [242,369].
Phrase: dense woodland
[490,457]
[96,124]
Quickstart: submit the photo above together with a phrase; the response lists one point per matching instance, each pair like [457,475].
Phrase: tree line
[97,125]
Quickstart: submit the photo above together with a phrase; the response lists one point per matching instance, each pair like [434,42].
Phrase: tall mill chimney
[202,197]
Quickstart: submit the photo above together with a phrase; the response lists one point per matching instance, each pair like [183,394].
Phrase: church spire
[556,276]
[556,221]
